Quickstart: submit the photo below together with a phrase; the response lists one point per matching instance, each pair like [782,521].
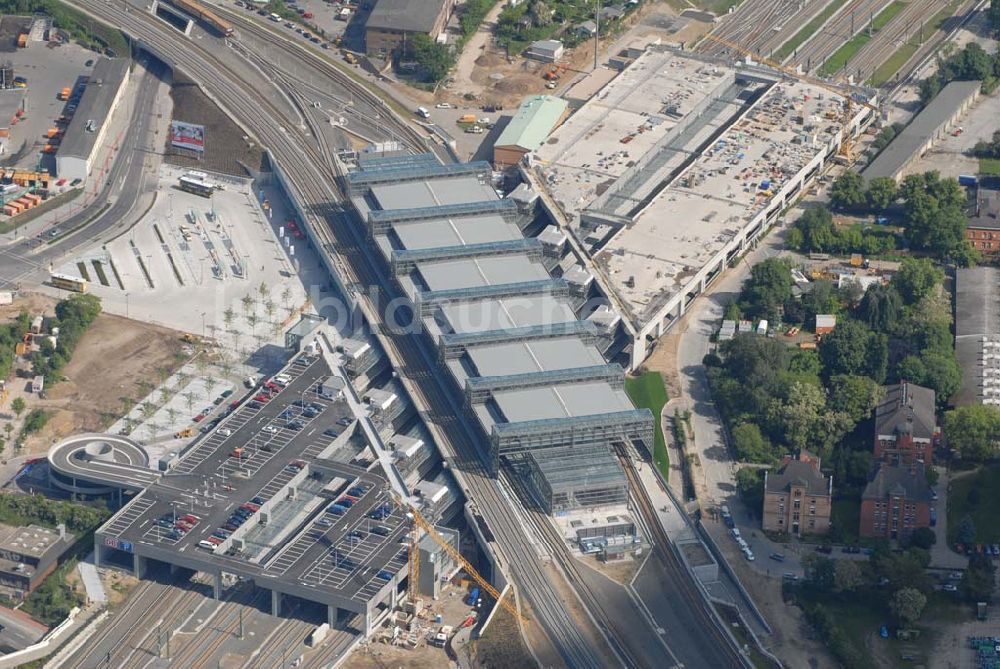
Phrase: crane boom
[455,555]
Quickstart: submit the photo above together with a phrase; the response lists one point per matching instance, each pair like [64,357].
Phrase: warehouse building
[927,127]
[537,117]
[393,22]
[983,228]
[977,335]
[90,127]
[676,167]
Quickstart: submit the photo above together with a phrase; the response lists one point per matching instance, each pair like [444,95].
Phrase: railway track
[886,41]
[661,545]
[315,187]
[759,25]
[845,24]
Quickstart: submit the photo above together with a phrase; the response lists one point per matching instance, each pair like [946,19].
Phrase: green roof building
[531,125]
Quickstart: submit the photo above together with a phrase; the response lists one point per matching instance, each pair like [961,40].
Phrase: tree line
[777,399]
[73,316]
[930,209]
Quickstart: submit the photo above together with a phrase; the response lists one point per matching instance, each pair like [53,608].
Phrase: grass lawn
[989,166]
[797,40]
[984,488]
[902,55]
[845,53]
[648,391]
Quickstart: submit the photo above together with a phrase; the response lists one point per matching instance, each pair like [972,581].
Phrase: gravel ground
[225,144]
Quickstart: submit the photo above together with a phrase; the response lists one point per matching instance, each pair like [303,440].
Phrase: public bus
[66,282]
[197,187]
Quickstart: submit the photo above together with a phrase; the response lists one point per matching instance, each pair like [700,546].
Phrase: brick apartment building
[797,497]
[896,502]
[983,227]
[905,425]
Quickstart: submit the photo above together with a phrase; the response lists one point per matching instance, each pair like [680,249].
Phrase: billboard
[187,136]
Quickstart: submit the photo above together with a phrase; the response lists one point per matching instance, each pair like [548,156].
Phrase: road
[130,179]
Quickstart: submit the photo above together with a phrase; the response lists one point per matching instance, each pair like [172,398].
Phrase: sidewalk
[91,580]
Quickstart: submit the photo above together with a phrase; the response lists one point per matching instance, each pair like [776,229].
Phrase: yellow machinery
[846,146]
[422,523]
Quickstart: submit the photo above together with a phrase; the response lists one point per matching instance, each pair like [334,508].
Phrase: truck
[184,434]
[350,58]
[467,118]
[237,453]
[473,597]
[318,635]
[440,639]
[65,93]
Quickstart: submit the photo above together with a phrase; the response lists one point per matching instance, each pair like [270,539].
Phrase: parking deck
[261,497]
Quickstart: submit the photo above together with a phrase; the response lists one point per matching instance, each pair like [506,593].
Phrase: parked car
[824,549]
[777,557]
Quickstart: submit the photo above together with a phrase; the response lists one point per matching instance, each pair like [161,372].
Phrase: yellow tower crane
[420,522]
[847,145]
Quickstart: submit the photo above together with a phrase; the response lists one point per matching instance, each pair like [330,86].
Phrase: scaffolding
[454,344]
[571,478]
[404,260]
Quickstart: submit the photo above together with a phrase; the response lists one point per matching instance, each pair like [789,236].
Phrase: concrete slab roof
[452,232]
[977,335]
[643,135]
[414,16]
[507,313]
[541,355]
[940,110]
[412,194]
[95,106]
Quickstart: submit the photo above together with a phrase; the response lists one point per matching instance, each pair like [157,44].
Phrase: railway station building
[513,339]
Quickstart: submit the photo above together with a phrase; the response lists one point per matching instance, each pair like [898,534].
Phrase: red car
[61,182]
[298,234]
[215,541]
[307,15]
[188,518]
[250,506]
[261,397]
[200,417]
[272,386]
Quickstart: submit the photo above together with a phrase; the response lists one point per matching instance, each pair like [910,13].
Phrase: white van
[275,18]
[423,113]
[207,545]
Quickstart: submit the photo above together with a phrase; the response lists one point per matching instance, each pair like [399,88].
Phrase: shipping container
[967,180]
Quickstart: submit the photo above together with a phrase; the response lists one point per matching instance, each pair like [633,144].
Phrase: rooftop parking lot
[259,497]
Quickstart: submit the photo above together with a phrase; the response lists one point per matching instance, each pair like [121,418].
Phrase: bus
[66,282]
[196,175]
[197,187]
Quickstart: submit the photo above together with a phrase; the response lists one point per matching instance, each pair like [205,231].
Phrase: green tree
[856,396]
[434,59]
[881,193]
[973,430]
[916,278]
[820,571]
[907,604]
[750,484]
[848,191]
[752,446]
[966,531]
[18,405]
[854,349]
[847,576]
[816,232]
[942,373]
[768,288]
[923,537]
[975,63]
[880,307]
[979,580]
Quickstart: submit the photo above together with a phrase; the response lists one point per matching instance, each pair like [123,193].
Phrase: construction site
[677,166]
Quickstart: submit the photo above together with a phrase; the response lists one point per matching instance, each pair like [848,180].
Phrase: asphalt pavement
[131,177]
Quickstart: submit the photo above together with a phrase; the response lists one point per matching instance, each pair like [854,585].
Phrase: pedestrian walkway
[91,580]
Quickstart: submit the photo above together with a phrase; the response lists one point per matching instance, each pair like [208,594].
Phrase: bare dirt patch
[226,148]
[620,571]
[664,360]
[118,586]
[114,359]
